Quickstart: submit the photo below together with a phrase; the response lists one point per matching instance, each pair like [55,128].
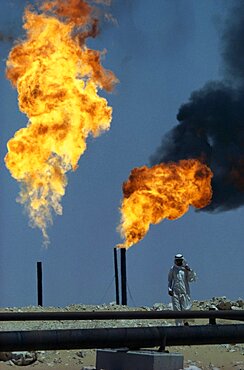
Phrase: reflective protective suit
[178,284]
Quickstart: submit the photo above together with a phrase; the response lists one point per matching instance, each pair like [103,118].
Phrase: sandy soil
[206,357]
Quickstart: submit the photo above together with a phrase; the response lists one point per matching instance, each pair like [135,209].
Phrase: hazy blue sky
[161,52]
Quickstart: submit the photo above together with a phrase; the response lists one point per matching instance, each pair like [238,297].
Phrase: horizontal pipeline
[131,338]
[121,315]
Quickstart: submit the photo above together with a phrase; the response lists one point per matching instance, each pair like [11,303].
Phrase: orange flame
[57,77]
[163,191]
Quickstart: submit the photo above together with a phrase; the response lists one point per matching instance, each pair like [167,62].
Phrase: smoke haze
[211,124]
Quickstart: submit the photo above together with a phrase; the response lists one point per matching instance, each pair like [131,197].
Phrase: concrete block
[116,359]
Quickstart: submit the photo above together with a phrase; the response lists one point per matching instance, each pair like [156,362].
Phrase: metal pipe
[212,320]
[123,276]
[116,275]
[122,315]
[39,284]
[132,338]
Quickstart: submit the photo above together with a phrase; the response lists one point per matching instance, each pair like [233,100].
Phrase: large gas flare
[57,78]
[164,191]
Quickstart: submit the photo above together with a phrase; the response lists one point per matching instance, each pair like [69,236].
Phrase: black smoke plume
[211,124]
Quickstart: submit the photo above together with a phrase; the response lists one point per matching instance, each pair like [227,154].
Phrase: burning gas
[163,191]
[57,78]
[211,123]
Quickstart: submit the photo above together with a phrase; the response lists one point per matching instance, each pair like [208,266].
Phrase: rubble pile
[219,303]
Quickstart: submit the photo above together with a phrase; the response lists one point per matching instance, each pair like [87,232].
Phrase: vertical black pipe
[212,320]
[123,276]
[39,283]
[116,275]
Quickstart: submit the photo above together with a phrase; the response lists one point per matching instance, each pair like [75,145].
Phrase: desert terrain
[204,357]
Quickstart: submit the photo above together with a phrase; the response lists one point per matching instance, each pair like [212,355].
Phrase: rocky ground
[223,357]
